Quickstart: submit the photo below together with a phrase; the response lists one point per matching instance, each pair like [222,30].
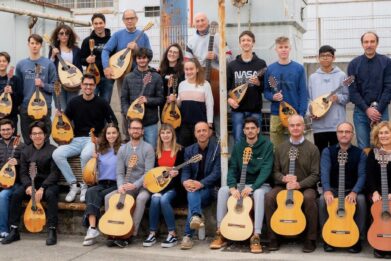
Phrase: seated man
[199,179]
[40,152]
[305,179]
[355,175]
[258,171]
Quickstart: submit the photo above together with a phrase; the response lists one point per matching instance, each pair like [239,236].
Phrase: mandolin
[90,171]
[379,234]
[157,179]
[5,98]
[285,109]
[117,221]
[321,105]
[121,61]
[340,230]
[171,113]
[137,110]
[34,215]
[62,131]
[92,68]
[237,224]
[8,172]
[288,219]
[237,94]
[37,107]
[70,76]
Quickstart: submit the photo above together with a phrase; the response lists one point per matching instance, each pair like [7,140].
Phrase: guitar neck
[242,181]
[291,171]
[341,187]
[384,187]
[208,62]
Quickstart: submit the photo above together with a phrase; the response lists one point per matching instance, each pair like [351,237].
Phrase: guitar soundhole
[341,212]
[174,115]
[120,205]
[385,215]
[289,203]
[9,172]
[238,208]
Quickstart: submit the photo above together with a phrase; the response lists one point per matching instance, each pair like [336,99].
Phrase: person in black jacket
[101,36]
[244,69]
[40,152]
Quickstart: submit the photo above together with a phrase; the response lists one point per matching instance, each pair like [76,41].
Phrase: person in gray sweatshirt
[325,80]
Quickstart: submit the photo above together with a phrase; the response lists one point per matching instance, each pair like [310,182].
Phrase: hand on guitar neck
[125,187]
[237,194]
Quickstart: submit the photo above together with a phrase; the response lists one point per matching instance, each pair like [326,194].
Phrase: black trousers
[25,122]
[50,195]
[186,135]
[324,139]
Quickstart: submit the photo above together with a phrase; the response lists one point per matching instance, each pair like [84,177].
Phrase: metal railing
[82,3]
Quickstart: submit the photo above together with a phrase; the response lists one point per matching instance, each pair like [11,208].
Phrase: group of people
[159,144]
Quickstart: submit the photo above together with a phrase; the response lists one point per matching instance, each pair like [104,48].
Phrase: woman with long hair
[381,139]
[168,154]
[64,39]
[109,143]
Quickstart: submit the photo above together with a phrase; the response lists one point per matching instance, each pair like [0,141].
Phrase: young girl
[169,154]
[109,143]
[195,100]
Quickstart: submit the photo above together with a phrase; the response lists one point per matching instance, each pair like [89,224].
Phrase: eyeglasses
[326,56]
[63,33]
[173,52]
[130,18]
[344,132]
[36,133]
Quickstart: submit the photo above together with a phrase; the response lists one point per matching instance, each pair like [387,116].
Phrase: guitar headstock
[247,154]
[38,70]
[16,141]
[11,72]
[348,81]
[273,82]
[342,157]
[147,78]
[213,28]
[132,161]
[148,26]
[196,158]
[46,38]
[293,153]
[57,88]
[33,170]
[93,137]
[91,44]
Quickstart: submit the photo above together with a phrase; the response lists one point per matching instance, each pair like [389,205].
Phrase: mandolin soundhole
[174,114]
[138,108]
[38,102]
[9,172]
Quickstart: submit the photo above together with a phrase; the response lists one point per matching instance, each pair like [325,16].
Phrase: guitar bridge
[340,232]
[116,222]
[384,235]
[288,221]
[236,225]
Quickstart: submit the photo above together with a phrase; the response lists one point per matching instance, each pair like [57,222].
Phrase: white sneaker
[91,234]
[89,242]
[72,193]
[83,191]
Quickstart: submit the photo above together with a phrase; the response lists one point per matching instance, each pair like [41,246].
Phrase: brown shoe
[196,222]
[274,245]
[255,244]
[186,243]
[309,246]
[218,242]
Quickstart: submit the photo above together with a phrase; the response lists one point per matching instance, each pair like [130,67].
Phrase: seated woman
[109,143]
[169,154]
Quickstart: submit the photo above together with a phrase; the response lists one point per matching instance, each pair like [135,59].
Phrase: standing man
[200,179]
[305,179]
[325,80]
[259,169]
[292,88]
[371,90]
[25,70]
[101,36]
[86,111]
[243,70]
[355,174]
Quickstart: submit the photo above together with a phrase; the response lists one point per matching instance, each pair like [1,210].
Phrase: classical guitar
[117,221]
[62,131]
[288,219]
[285,110]
[34,215]
[37,107]
[211,74]
[379,234]
[237,224]
[340,230]
[92,68]
[321,105]
[121,61]
[171,113]
[70,76]
[137,110]
[158,178]
[90,171]
[8,172]
[238,93]
[5,98]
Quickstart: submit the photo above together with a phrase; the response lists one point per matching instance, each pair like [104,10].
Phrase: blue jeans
[150,134]
[5,198]
[237,122]
[162,203]
[363,128]
[105,88]
[79,146]
[196,201]
[65,97]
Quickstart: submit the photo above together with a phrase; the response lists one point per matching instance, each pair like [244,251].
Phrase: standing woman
[109,143]
[168,154]
[381,139]
[195,100]
[64,40]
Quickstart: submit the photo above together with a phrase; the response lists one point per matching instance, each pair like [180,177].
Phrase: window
[152,11]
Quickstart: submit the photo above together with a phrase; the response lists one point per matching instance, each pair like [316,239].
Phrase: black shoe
[378,253]
[121,243]
[52,236]
[309,246]
[274,245]
[328,248]
[110,242]
[356,248]
[12,236]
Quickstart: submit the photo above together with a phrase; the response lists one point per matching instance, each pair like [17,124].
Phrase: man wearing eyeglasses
[325,80]
[354,180]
